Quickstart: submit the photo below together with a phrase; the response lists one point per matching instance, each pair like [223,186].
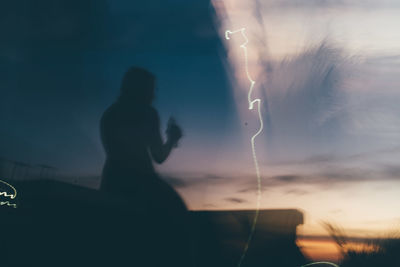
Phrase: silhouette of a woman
[130,133]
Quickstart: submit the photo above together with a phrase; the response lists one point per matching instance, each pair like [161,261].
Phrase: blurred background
[327,73]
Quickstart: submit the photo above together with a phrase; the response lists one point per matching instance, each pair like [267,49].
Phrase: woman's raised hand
[174,132]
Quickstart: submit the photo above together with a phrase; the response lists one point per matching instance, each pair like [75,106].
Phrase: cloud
[325,159]
[235,200]
[305,99]
[288,178]
[185,180]
[328,178]
[392,171]
[213,177]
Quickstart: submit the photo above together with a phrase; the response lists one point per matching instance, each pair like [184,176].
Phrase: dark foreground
[58,224]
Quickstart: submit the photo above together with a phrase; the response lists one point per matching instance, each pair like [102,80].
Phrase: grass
[374,252]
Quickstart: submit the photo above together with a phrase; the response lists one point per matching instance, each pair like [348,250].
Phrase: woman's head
[138,86]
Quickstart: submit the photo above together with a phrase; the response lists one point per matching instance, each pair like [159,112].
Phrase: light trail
[321,262]
[5,194]
[8,204]
[251,106]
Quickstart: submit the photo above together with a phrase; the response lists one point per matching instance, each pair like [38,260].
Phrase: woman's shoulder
[109,115]
[108,112]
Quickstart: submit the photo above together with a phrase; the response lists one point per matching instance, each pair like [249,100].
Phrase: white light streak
[321,262]
[251,106]
[8,204]
[5,194]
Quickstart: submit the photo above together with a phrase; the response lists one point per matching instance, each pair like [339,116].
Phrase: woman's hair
[137,86]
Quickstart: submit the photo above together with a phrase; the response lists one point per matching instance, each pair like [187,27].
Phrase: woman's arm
[158,149]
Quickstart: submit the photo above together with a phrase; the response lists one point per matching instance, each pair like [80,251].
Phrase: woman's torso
[125,134]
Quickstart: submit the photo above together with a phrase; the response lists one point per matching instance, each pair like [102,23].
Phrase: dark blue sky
[62,62]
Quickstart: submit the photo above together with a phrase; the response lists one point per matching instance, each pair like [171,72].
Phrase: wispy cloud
[185,180]
[327,159]
[235,200]
[326,178]
[305,97]
[298,192]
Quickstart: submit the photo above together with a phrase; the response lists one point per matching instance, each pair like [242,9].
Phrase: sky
[327,74]
[326,71]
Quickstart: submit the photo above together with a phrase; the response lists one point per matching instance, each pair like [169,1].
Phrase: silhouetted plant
[371,253]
